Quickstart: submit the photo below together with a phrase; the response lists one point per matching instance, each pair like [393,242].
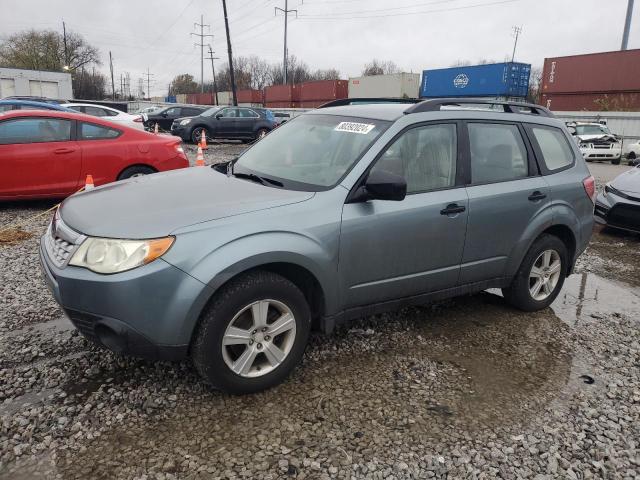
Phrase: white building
[14,81]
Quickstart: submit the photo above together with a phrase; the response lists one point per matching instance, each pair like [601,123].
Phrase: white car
[108,113]
[596,142]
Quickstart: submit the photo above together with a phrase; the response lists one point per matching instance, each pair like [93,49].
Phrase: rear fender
[537,225]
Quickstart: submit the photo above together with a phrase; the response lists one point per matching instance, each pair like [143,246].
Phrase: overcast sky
[343,34]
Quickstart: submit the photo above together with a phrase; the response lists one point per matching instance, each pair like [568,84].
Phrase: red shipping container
[593,102]
[324,90]
[597,72]
[250,96]
[191,98]
[281,93]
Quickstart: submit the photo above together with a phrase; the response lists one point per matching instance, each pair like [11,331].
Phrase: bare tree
[326,74]
[379,67]
[535,81]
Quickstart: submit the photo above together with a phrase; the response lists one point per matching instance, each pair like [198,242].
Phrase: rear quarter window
[554,147]
[90,131]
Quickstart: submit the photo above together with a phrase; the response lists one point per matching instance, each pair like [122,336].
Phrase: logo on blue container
[461,81]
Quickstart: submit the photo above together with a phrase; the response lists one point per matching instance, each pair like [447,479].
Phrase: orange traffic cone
[155,129]
[203,140]
[88,183]
[200,157]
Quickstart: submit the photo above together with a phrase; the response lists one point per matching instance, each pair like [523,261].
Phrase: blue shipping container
[491,80]
[170,99]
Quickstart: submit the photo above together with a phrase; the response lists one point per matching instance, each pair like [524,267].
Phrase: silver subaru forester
[350,209]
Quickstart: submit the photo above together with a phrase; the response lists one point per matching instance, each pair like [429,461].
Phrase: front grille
[61,242]
[84,322]
[625,216]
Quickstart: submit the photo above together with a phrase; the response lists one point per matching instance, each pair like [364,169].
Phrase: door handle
[60,151]
[452,209]
[537,195]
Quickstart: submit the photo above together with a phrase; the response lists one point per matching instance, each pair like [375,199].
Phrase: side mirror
[218,116]
[381,185]
[164,114]
[572,130]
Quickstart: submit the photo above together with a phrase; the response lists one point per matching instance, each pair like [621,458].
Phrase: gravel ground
[469,388]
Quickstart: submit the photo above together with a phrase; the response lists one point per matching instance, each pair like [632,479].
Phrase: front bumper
[181,131]
[595,153]
[617,212]
[149,311]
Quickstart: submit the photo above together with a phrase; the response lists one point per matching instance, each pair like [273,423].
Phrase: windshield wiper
[249,176]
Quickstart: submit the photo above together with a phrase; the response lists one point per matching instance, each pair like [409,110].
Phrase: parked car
[7,105]
[47,154]
[596,142]
[108,113]
[33,98]
[164,117]
[631,150]
[618,205]
[150,109]
[341,212]
[240,123]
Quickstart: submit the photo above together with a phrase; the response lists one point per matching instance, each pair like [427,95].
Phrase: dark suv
[164,117]
[241,123]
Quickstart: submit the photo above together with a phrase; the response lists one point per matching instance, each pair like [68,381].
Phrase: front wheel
[540,276]
[196,134]
[252,334]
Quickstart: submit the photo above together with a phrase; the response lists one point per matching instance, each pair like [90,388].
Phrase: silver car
[618,205]
[344,211]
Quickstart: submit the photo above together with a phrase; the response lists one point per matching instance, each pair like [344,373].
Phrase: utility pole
[66,52]
[201,45]
[148,75]
[121,85]
[113,86]
[213,71]
[627,26]
[286,12]
[516,33]
[231,74]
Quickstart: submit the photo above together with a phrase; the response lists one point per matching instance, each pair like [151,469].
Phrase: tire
[519,293]
[135,171]
[196,134]
[261,133]
[230,317]
[615,161]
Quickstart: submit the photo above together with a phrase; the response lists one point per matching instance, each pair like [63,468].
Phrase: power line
[202,36]
[148,75]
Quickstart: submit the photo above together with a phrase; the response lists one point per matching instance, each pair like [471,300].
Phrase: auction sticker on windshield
[354,127]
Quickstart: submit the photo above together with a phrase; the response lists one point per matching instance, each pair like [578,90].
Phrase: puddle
[59,325]
[27,400]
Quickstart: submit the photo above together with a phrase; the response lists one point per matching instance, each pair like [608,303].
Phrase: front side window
[555,149]
[229,113]
[90,131]
[425,156]
[498,153]
[35,130]
[311,152]
[246,113]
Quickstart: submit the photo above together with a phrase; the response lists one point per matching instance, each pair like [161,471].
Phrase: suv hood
[628,182]
[604,138]
[156,205]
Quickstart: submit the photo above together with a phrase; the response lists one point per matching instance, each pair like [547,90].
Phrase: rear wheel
[540,276]
[135,171]
[260,134]
[615,161]
[253,333]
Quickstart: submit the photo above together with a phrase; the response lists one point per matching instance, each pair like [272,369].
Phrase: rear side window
[191,112]
[95,111]
[89,131]
[424,156]
[498,153]
[555,149]
[35,130]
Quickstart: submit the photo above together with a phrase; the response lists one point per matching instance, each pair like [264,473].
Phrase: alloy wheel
[259,338]
[545,274]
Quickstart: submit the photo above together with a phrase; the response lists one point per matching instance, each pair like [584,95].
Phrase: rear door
[506,192]
[168,116]
[38,157]
[104,153]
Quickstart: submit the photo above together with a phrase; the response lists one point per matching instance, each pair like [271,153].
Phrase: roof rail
[435,104]
[365,101]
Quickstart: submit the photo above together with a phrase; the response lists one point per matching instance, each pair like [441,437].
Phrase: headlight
[104,255]
[186,121]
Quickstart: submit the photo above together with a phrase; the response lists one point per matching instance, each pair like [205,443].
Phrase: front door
[38,157]
[167,118]
[391,250]
[225,123]
[505,194]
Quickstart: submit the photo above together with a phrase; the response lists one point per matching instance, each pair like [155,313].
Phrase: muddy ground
[468,388]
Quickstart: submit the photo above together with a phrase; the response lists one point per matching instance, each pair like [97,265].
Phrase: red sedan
[49,153]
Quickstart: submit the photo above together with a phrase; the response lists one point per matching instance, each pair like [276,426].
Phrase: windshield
[210,112]
[592,130]
[311,152]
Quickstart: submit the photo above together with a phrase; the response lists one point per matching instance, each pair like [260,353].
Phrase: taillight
[138,119]
[590,187]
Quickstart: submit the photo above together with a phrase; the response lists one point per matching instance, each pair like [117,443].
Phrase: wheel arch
[145,165]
